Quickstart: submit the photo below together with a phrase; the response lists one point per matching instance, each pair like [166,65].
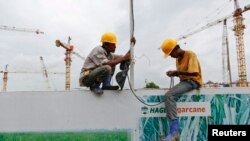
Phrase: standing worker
[189,72]
[100,64]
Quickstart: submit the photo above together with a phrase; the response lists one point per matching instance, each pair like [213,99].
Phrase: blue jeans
[173,94]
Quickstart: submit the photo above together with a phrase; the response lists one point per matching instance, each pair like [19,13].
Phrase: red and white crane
[69,50]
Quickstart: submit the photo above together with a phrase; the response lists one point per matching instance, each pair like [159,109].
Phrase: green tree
[152,85]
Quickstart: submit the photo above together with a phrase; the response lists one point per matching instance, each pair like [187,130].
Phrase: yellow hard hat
[109,37]
[168,45]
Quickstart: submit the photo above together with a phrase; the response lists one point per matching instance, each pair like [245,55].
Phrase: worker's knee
[107,69]
[169,96]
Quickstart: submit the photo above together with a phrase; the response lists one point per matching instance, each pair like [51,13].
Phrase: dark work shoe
[110,87]
[96,89]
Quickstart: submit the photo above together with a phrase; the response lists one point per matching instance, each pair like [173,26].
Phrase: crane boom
[37,31]
[78,55]
[246,8]
[205,27]
[239,32]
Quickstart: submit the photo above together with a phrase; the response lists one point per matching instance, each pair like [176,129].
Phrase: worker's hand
[133,40]
[127,56]
[172,73]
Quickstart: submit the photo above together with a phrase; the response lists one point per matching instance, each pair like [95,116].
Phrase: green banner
[67,136]
[227,109]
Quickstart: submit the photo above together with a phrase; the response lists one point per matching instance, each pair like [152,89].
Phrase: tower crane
[6,72]
[37,31]
[69,50]
[67,60]
[5,77]
[239,31]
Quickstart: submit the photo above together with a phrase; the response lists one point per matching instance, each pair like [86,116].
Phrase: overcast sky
[86,20]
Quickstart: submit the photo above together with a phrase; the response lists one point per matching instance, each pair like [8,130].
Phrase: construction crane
[239,31]
[37,31]
[67,59]
[226,73]
[5,77]
[246,8]
[69,50]
[6,72]
[45,72]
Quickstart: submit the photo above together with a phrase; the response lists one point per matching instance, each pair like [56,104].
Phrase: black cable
[132,35]
[142,101]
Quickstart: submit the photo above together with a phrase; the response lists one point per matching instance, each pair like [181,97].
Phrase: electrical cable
[132,22]
[142,101]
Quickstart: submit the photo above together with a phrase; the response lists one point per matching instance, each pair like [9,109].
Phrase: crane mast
[68,64]
[5,78]
[239,32]
[67,59]
[226,73]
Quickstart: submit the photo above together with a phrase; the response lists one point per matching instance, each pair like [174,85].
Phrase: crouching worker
[188,69]
[99,66]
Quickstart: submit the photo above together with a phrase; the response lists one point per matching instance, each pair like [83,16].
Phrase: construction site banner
[117,115]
